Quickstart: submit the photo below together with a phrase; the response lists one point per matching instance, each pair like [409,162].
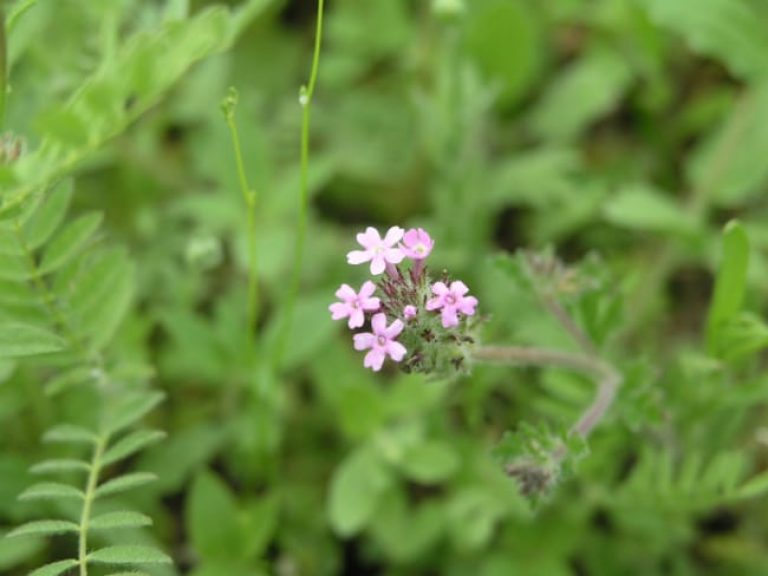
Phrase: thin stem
[250,198]
[305,100]
[607,378]
[90,494]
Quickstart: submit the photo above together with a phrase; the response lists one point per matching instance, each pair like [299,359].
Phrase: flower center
[381,340]
[420,249]
[355,304]
[378,250]
[450,299]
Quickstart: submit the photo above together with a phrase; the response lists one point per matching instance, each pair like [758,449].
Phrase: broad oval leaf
[47,216]
[19,340]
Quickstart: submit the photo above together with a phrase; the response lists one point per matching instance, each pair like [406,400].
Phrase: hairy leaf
[18,340]
[54,568]
[131,444]
[131,409]
[51,491]
[124,519]
[71,240]
[43,528]
[123,483]
[129,555]
[62,465]
[70,433]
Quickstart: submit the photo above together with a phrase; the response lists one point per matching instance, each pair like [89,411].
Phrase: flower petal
[394,255]
[449,317]
[338,310]
[394,329]
[364,340]
[358,257]
[411,238]
[370,304]
[467,305]
[393,236]
[379,324]
[356,318]
[377,265]
[374,360]
[366,290]
[439,289]
[370,238]
[345,292]
[435,303]
[396,351]
[459,288]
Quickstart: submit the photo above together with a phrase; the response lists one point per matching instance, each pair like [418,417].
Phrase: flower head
[450,301]
[417,244]
[381,342]
[378,251]
[354,305]
[409,312]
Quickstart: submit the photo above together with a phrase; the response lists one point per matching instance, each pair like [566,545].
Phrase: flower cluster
[419,323]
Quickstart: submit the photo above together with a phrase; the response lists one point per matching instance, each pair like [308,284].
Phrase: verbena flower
[354,305]
[409,312]
[378,251]
[417,244]
[451,301]
[381,342]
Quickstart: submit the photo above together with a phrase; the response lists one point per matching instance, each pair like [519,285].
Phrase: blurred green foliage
[621,134]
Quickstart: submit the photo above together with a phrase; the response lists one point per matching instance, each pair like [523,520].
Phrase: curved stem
[90,494]
[305,100]
[607,378]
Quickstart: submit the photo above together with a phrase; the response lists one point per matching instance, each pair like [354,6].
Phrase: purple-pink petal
[356,318]
[364,340]
[367,289]
[395,350]
[393,236]
[435,303]
[345,292]
[378,265]
[379,324]
[467,305]
[458,288]
[394,329]
[449,317]
[393,255]
[370,238]
[358,257]
[338,310]
[439,289]
[374,359]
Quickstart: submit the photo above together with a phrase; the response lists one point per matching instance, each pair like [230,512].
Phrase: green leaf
[131,444]
[68,379]
[43,528]
[70,433]
[63,465]
[742,335]
[586,91]
[50,490]
[641,207]
[129,555]
[19,340]
[70,242]
[730,282]
[430,462]
[130,409]
[212,519]
[755,486]
[733,31]
[125,482]
[504,39]
[123,519]
[356,489]
[54,568]
[48,215]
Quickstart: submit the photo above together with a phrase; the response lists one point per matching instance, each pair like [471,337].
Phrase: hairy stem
[90,494]
[305,100]
[250,198]
[607,378]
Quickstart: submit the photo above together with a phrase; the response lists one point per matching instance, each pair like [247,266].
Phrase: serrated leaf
[70,242]
[62,465]
[43,528]
[19,340]
[131,444]
[50,490]
[124,483]
[54,568]
[124,519]
[130,410]
[730,283]
[129,555]
[47,216]
[70,433]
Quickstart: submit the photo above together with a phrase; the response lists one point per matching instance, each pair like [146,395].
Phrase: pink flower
[381,342]
[409,312]
[451,301]
[354,305]
[379,252]
[417,244]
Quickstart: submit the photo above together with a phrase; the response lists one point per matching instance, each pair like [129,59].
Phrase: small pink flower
[354,305]
[409,312]
[451,301]
[417,244]
[379,252]
[381,342]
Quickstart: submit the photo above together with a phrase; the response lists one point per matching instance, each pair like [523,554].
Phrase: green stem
[250,198]
[90,495]
[305,100]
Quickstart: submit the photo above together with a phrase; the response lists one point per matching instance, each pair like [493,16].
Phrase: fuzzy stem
[90,494]
[305,100]
[250,198]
